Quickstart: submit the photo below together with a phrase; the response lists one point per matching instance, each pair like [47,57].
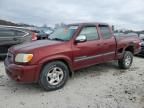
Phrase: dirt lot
[100,86]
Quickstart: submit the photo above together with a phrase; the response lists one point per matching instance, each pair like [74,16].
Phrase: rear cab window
[105,31]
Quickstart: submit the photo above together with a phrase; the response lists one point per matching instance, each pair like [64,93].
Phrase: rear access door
[108,43]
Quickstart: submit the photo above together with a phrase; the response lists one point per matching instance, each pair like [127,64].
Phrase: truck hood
[34,45]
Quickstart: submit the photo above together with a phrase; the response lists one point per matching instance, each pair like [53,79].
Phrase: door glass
[90,33]
[105,32]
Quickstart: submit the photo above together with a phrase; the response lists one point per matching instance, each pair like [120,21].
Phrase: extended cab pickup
[50,62]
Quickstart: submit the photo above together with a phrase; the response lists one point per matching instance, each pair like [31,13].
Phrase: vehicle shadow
[97,70]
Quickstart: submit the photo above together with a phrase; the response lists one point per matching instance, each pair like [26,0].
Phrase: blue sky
[122,13]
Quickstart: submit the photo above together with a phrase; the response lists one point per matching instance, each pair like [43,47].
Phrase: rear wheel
[126,61]
[54,75]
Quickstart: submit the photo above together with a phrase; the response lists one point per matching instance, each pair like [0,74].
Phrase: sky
[124,14]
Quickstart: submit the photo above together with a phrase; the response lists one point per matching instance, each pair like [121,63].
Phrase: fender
[52,58]
[56,57]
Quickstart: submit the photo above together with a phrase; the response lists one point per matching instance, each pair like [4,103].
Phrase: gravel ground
[100,86]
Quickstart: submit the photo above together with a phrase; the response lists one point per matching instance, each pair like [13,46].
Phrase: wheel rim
[128,60]
[55,76]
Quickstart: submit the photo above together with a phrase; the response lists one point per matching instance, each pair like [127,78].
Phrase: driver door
[89,52]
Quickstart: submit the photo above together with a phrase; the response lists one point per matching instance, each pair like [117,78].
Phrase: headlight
[23,58]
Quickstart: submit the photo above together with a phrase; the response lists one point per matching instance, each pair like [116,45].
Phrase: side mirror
[81,38]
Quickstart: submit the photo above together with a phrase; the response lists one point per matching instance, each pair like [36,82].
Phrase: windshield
[63,34]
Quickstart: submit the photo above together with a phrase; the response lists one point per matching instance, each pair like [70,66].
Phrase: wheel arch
[63,59]
[130,48]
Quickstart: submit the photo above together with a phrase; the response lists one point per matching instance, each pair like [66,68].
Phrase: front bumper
[21,73]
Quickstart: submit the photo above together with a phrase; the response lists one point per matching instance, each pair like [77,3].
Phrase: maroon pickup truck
[51,62]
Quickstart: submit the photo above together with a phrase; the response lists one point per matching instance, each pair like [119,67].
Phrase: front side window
[63,34]
[90,33]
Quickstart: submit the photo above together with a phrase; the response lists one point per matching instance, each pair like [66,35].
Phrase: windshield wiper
[58,39]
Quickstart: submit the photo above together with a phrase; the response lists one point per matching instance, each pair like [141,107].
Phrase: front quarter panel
[48,54]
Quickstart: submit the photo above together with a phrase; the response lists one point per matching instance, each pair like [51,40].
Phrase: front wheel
[54,75]
[126,61]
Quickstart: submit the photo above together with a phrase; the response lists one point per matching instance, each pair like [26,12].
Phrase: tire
[126,61]
[54,75]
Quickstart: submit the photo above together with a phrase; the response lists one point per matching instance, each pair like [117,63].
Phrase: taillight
[34,36]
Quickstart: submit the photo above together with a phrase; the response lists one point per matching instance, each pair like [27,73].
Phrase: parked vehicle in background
[48,32]
[10,36]
[141,36]
[42,34]
[125,34]
[51,62]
